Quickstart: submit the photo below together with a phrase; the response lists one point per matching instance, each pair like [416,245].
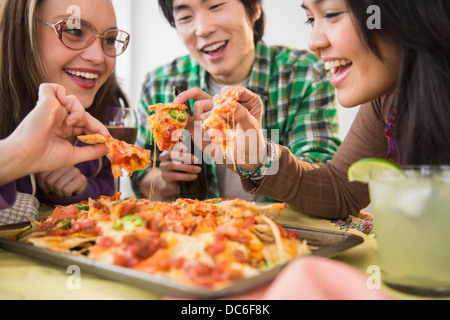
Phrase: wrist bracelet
[265,164]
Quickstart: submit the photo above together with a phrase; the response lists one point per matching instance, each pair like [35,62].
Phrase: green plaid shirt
[294,87]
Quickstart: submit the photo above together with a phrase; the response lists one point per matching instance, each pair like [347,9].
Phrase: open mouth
[85,79]
[215,49]
[82,75]
[338,66]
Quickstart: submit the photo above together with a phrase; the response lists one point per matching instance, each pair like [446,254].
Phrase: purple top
[100,183]
[7,195]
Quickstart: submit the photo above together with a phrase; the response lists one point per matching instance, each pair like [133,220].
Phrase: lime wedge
[360,170]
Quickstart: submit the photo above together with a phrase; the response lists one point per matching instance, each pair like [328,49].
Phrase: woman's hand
[249,147]
[56,117]
[64,182]
[39,143]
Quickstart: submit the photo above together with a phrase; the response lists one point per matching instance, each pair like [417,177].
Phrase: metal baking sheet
[326,242]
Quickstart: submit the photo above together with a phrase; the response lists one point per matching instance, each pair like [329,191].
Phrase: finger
[245,119]
[64,185]
[181,153]
[179,167]
[49,107]
[195,126]
[52,89]
[75,186]
[204,116]
[171,176]
[40,177]
[50,181]
[94,125]
[165,156]
[82,121]
[249,105]
[191,94]
[61,94]
[53,176]
[87,153]
[245,95]
[203,106]
[76,112]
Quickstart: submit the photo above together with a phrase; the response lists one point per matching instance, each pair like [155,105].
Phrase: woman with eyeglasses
[71,43]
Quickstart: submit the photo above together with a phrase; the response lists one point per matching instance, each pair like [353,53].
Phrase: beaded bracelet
[265,164]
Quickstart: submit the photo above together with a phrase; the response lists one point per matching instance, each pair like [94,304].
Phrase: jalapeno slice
[65,224]
[129,223]
[179,115]
[25,232]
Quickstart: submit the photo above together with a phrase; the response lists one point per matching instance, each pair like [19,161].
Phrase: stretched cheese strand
[278,242]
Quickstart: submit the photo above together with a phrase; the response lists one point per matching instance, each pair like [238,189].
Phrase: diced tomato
[292,234]
[233,231]
[228,230]
[85,226]
[207,276]
[201,274]
[215,248]
[178,263]
[105,242]
[128,208]
[65,213]
[133,250]
[159,261]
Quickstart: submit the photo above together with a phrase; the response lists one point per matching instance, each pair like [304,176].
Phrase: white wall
[155,42]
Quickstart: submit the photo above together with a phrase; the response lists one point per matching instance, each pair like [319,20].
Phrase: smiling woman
[81,58]
[64,65]
[400,75]
[358,74]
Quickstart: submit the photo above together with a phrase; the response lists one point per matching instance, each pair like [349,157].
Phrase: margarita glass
[411,208]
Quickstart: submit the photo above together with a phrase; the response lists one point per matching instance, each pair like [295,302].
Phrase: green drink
[412,224]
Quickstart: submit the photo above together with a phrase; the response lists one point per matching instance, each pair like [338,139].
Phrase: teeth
[214,46]
[336,63]
[86,75]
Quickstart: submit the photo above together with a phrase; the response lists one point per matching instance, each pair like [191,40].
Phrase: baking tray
[326,243]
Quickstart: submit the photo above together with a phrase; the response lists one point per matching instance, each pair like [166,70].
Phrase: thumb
[87,153]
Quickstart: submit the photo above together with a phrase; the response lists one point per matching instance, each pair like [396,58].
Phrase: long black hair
[422,29]
[250,8]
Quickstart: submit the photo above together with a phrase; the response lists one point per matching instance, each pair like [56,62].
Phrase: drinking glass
[412,226]
[122,125]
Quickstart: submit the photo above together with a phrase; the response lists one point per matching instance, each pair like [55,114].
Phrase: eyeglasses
[114,41]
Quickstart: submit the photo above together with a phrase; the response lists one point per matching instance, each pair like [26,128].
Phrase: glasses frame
[57,27]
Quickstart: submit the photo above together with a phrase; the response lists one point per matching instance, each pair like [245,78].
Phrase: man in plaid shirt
[299,102]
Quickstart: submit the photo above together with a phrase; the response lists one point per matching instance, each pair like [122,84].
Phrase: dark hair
[250,8]
[21,69]
[422,29]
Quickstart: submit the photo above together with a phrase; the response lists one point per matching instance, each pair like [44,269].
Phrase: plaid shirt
[293,85]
